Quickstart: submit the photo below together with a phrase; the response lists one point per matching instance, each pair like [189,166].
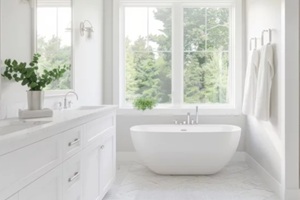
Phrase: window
[206,50]
[54,38]
[179,53]
[148,53]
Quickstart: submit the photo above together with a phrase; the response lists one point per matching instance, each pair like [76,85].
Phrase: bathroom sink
[7,127]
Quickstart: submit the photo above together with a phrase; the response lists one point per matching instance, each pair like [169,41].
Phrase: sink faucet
[65,99]
[197,115]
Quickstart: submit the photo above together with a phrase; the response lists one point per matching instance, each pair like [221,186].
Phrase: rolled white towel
[264,83]
[250,83]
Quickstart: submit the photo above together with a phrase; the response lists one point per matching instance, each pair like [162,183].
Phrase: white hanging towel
[250,83]
[264,83]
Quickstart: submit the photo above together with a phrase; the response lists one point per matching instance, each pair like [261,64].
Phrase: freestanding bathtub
[185,149]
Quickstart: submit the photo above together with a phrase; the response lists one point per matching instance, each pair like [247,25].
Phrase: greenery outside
[54,54]
[54,42]
[148,57]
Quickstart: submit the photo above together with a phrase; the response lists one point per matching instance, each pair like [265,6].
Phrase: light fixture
[86,26]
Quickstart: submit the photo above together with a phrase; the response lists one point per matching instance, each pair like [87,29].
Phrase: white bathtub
[185,149]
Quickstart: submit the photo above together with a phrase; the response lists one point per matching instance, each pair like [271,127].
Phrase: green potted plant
[30,76]
[144,103]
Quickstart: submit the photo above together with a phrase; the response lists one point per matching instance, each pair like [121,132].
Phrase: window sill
[56,93]
[180,111]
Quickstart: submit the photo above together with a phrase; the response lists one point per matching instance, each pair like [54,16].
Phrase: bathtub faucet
[188,118]
[197,115]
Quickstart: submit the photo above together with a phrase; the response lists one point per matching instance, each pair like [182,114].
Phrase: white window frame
[177,106]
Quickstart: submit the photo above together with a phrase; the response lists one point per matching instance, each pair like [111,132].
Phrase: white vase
[35,100]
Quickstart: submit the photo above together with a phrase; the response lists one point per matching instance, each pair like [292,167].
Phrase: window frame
[177,106]
[34,5]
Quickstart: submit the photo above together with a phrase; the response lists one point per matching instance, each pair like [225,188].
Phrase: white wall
[291,21]
[88,56]
[0,63]
[16,43]
[264,139]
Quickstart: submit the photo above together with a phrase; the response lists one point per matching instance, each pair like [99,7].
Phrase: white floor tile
[235,182]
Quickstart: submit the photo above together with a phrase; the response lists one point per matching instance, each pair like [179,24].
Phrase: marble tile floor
[235,182]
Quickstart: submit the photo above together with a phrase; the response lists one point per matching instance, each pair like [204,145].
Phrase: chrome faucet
[188,118]
[197,116]
[65,99]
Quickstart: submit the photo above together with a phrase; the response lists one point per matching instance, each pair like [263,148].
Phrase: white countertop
[46,127]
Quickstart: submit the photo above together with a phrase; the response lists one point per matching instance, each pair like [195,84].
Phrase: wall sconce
[86,26]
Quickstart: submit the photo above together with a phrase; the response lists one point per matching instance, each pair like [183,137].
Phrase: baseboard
[133,157]
[239,156]
[127,157]
[265,175]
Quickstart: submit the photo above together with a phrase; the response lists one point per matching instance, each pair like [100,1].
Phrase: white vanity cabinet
[74,164]
[99,158]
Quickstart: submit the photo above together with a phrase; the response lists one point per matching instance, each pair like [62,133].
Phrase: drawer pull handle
[75,176]
[102,147]
[76,141]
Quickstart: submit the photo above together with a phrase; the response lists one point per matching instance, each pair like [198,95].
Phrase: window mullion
[177,58]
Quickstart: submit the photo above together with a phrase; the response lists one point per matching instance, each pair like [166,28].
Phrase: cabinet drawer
[47,187]
[71,142]
[96,127]
[18,168]
[72,178]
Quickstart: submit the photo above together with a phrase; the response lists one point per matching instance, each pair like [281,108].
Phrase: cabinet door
[107,162]
[90,170]
[72,178]
[47,187]
[14,197]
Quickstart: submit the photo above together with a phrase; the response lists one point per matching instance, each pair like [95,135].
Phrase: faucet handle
[197,115]
[175,122]
[70,104]
[59,105]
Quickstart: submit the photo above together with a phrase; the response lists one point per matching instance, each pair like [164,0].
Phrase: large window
[148,49]
[206,50]
[178,53]
[54,38]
